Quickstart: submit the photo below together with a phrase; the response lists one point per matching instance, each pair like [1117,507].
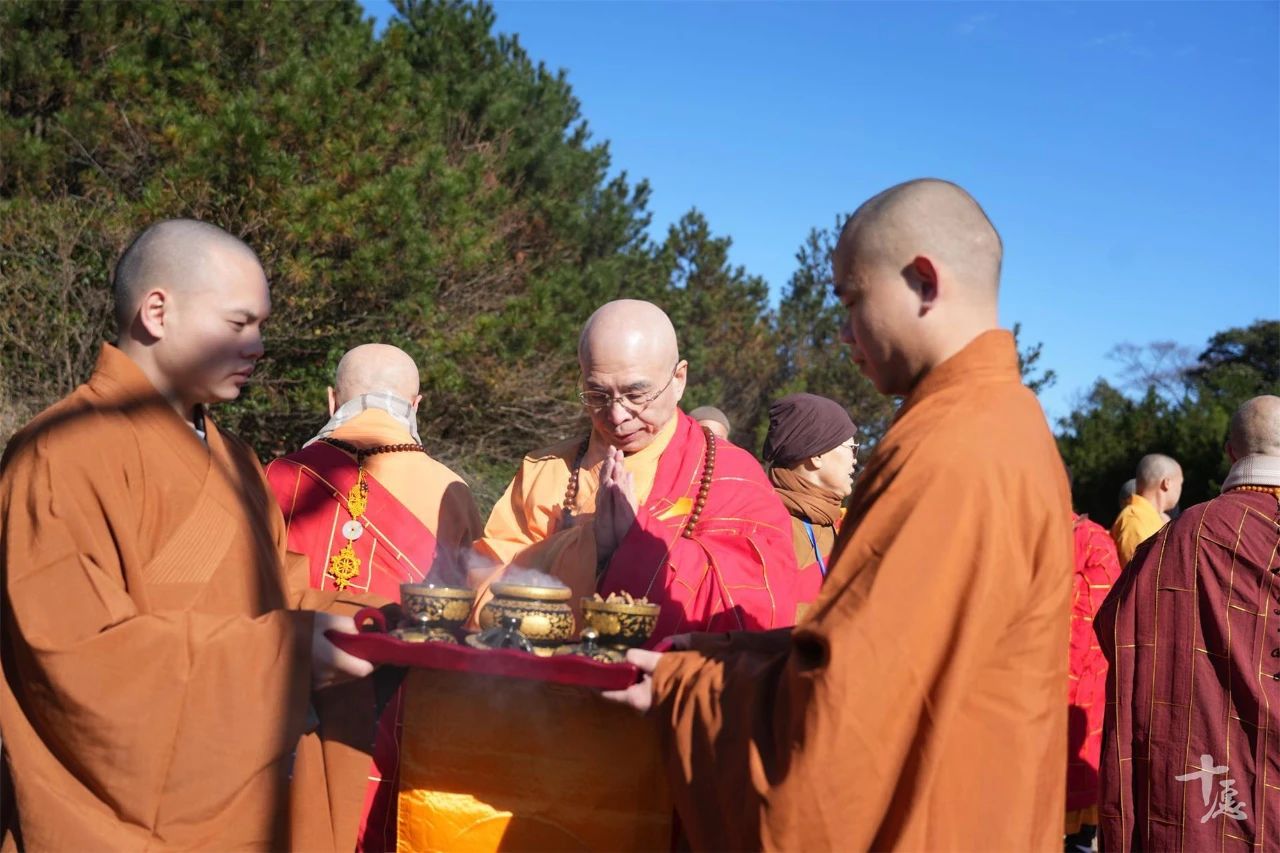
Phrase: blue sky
[1129,153]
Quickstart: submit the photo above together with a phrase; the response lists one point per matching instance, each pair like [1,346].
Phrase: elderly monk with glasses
[649,503]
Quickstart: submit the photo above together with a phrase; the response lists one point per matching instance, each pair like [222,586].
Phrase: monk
[919,704]
[649,503]
[1096,569]
[155,682]
[713,419]
[812,450]
[416,524]
[1157,488]
[1191,739]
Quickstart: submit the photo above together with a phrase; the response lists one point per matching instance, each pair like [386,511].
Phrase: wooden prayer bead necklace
[1270,490]
[704,486]
[699,503]
[344,566]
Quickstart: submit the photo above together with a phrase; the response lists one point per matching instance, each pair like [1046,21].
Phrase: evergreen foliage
[433,187]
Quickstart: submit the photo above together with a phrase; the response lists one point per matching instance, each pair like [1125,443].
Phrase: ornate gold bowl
[546,619]
[620,624]
[433,612]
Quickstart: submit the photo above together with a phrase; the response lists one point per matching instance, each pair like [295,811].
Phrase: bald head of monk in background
[713,419]
[190,301]
[632,374]
[918,269]
[1159,480]
[371,368]
[1255,429]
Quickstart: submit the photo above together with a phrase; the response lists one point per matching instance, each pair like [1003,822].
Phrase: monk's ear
[414,403]
[926,276]
[333,400]
[153,312]
[681,375]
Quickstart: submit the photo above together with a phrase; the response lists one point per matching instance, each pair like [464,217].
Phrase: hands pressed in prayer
[640,694]
[330,665]
[616,505]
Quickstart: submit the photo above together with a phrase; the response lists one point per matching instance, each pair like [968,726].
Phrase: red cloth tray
[377,646]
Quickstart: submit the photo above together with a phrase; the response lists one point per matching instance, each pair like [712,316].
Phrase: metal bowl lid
[531,593]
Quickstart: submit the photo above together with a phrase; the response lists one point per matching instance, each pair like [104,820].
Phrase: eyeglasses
[634,402]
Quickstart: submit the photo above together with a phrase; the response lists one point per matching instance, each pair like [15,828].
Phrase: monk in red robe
[811,450]
[372,510]
[155,682]
[648,503]
[1096,569]
[919,703]
[1191,739]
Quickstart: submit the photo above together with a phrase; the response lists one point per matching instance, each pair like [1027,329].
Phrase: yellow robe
[524,526]
[1135,524]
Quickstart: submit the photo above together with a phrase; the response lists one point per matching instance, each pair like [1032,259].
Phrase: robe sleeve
[524,531]
[139,706]
[810,740]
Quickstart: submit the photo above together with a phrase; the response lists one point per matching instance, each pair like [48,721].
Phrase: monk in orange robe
[919,703]
[1191,631]
[415,525]
[649,503]
[156,685]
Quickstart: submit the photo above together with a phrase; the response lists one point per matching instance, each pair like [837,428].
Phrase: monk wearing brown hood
[812,450]
[919,703]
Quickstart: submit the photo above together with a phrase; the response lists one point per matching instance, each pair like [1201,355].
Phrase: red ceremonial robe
[1191,631]
[735,571]
[311,487]
[1096,569]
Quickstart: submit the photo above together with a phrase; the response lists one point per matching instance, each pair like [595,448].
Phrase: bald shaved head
[174,255]
[933,218]
[1159,481]
[376,367]
[630,330]
[628,352]
[1153,468]
[917,267]
[1255,428]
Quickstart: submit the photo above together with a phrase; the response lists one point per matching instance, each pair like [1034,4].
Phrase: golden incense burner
[545,617]
[433,613]
[620,621]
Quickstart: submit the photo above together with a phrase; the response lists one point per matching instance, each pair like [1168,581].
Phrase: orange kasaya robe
[919,704]
[419,523]
[736,572]
[155,682]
